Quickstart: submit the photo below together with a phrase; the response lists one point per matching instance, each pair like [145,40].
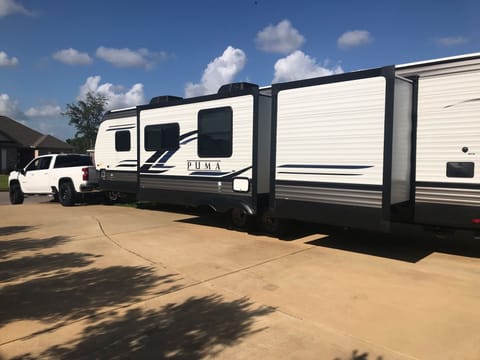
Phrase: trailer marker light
[241,184]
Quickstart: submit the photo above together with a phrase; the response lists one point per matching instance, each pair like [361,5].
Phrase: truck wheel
[241,220]
[16,194]
[67,194]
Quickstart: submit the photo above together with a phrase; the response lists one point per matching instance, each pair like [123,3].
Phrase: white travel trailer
[207,151]
[447,152]
[398,144]
[342,149]
[116,152]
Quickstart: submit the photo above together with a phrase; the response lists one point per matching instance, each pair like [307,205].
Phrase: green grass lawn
[3,182]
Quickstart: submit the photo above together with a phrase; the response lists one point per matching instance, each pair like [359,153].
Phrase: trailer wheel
[67,194]
[111,197]
[274,226]
[16,194]
[241,220]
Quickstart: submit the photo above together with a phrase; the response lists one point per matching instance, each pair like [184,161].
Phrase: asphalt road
[114,282]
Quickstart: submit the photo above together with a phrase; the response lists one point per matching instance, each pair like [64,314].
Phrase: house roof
[27,137]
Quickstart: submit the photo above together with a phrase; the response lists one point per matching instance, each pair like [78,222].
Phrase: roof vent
[165,99]
[236,87]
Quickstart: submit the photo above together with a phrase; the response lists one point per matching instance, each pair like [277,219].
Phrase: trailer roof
[440,60]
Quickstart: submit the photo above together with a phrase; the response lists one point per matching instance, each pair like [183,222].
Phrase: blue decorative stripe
[225,175]
[310,173]
[184,136]
[162,166]
[162,156]
[208,173]
[307,166]
[189,140]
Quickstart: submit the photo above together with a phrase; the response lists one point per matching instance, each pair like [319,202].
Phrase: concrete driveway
[114,282]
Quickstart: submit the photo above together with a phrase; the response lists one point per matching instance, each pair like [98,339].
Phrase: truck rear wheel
[16,194]
[67,194]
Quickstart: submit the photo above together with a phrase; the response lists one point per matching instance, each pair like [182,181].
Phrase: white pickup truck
[64,176]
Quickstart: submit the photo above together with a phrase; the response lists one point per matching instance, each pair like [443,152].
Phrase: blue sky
[52,52]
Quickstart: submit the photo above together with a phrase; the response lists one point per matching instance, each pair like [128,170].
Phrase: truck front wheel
[16,194]
[67,194]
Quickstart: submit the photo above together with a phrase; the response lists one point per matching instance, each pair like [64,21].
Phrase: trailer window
[460,169]
[162,137]
[122,140]
[215,132]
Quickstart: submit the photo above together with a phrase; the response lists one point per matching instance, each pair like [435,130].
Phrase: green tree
[86,115]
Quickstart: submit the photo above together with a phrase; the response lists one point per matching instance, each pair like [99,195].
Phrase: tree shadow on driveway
[11,247]
[193,329]
[74,295]
[10,230]
[15,269]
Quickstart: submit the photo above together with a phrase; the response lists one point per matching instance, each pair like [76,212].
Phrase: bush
[3,182]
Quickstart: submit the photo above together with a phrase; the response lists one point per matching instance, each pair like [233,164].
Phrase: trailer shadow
[410,246]
[196,328]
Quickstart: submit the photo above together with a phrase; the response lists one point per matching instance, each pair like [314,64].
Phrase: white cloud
[282,38]
[452,41]
[299,66]
[5,60]
[354,38]
[9,107]
[8,7]
[125,57]
[220,71]
[44,111]
[118,96]
[72,57]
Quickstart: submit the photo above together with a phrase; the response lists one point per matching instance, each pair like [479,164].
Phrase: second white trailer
[447,147]
[342,149]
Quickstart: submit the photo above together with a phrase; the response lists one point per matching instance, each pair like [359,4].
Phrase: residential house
[19,144]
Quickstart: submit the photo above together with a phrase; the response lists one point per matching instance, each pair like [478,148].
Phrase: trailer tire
[241,219]
[67,194]
[16,194]
[274,226]
[111,197]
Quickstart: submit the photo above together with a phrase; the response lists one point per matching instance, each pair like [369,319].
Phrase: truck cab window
[34,165]
[45,162]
